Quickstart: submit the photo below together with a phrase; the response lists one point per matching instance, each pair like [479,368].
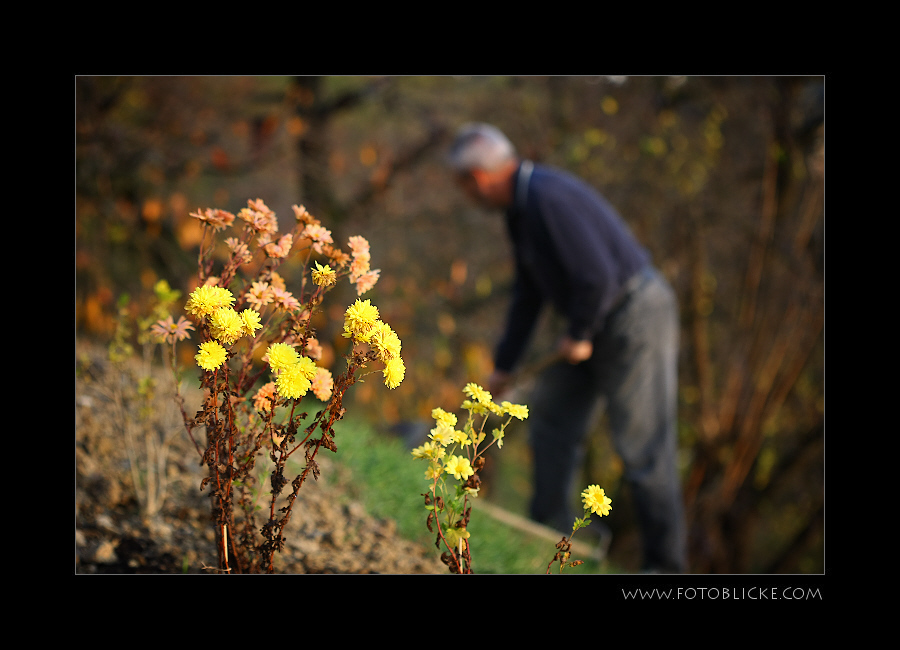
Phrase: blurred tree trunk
[779,321]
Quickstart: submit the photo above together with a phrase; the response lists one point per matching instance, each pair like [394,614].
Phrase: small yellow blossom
[519,411]
[205,300]
[394,372]
[477,393]
[323,276]
[477,408]
[428,450]
[252,321]
[307,367]
[596,500]
[441,416]
[226,325]
[294,381]
[459,466]
[211,355]
[281,356]
[359,319]
[442,434]
[385,341]
[460,438]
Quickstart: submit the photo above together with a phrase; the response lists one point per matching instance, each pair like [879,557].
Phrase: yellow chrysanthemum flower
[442,417]
[323,276]
[281,356]
[475,407]
[252,321]
[442,434]
[359,319]
[226,325]
[477,393]
[519,411]
[428,450]
[205,300]
[394,372]
[460,438]
[596,500]
[307,367]
[293,382]
[385,341]
[459,466]
[211,355]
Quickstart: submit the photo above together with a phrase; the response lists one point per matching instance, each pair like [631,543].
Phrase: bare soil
[120,529]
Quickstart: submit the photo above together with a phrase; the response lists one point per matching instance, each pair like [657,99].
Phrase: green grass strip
[389,482]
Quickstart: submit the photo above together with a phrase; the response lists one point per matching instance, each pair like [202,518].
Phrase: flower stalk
[259,355]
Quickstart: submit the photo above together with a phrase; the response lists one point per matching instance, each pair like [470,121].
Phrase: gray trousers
[634,367]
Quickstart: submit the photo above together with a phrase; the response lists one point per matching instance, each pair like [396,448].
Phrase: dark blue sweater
[572,250]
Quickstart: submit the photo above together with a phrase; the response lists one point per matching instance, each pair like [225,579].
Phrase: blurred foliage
[721,177]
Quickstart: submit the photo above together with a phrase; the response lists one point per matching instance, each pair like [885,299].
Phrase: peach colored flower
[264,397]
[218,219]
[259,295]
[259,217]
[281,248]
[258,205]
[358,245]
[337,255]
[239,250]
[284,299]
[277,281]
[323,384]
[170,331]
[313,349]
[366,281]
[358,267]
[302,214]
[318,235]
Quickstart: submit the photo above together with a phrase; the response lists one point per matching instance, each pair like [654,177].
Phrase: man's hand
[575,351]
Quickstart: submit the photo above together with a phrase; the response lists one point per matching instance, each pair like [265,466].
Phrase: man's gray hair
[480,146]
